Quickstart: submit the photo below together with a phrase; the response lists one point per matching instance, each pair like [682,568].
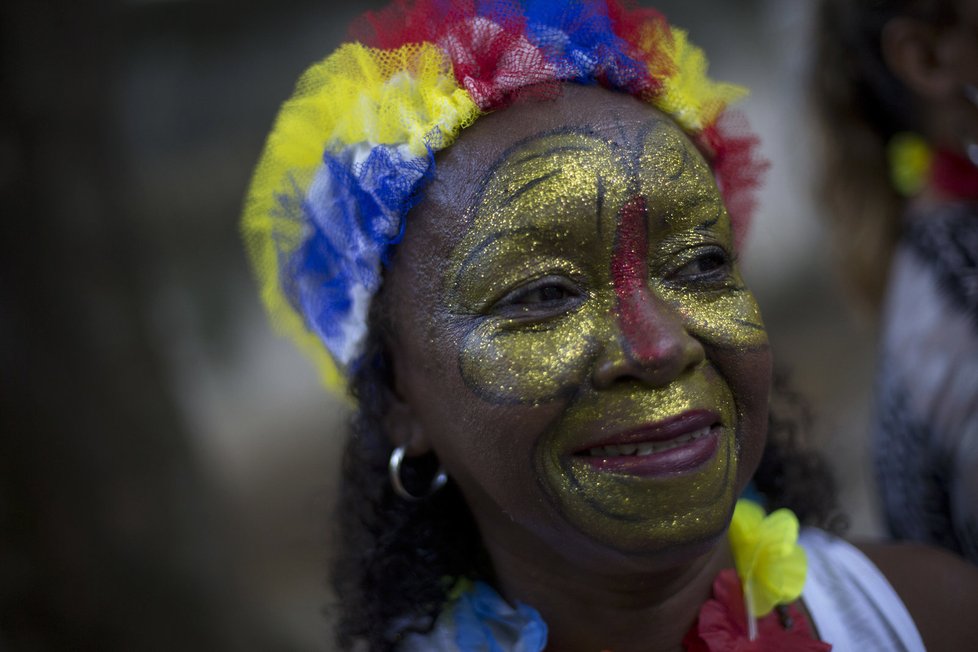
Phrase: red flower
[722,625]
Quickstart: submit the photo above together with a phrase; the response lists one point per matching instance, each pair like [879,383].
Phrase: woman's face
[572,336]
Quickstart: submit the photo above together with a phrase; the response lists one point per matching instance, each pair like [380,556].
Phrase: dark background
[166,462]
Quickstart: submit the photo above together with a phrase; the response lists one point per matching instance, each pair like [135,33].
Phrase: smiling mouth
[642,449]
[672,447]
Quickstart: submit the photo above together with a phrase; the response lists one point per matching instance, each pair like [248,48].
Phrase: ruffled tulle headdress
[351,151]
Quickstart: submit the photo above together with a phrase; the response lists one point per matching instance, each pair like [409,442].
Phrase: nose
[649,344]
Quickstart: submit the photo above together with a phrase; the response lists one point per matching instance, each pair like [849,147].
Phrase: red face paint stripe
[629,272]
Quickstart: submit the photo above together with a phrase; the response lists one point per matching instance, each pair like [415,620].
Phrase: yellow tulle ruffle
[383,97]
[688,94]
[358,97]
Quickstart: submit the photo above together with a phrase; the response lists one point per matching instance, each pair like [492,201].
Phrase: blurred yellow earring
[910,159]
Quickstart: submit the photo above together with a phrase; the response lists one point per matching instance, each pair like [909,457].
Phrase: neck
[589,610]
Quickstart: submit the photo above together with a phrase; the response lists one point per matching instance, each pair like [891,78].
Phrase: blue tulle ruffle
[578,39]
[353,212]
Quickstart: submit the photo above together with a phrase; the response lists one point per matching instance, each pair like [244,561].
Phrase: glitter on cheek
[725,319]
[528,366]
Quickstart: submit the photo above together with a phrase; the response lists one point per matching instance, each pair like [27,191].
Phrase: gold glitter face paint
[584,253]
[634,512]
[542,225]
[550,211]
[692,228]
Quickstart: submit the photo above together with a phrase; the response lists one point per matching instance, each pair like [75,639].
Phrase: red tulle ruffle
[733,151]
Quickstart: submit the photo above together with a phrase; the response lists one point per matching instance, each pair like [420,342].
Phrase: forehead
[551,172]
[486,180]
[579,116]
[608,115]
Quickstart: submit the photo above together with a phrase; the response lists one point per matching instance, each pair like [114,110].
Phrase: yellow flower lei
[770,563]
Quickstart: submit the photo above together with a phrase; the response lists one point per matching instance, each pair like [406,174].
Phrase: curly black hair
[396,558]
[394,555]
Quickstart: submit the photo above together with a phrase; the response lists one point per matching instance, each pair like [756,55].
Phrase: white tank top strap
[851,603]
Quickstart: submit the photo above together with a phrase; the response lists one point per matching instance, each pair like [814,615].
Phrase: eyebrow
[484,244]
[557,149]
[685,206]
[529,141]
[706,225]
[682,168]
[529,185]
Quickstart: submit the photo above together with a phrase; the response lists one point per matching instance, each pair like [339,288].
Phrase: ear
[912,49]
[402,424]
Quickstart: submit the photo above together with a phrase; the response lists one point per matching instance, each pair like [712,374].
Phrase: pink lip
[659,431]
[679,459]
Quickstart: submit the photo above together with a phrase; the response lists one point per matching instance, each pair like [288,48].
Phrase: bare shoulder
[939,589]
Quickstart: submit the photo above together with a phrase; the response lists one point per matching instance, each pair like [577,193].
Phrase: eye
[544,296]
[708,264]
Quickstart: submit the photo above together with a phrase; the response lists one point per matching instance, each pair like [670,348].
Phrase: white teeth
[647,448]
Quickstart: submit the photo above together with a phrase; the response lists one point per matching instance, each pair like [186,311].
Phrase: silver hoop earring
[394,469]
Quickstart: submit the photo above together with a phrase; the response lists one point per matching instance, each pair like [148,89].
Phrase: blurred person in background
[895,84]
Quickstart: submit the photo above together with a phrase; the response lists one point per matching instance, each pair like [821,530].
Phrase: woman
[562,381]
[897,91]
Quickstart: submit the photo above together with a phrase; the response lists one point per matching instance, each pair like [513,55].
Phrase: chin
[658,542]
[648,552]
[680,513]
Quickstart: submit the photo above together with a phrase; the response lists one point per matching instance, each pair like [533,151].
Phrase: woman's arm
[939,589]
